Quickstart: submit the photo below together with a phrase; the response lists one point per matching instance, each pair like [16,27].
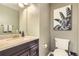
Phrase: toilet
[62,48]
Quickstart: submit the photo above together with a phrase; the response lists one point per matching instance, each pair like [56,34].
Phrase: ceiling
[11,5]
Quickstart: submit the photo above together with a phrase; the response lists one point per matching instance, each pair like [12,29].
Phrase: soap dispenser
[22,33]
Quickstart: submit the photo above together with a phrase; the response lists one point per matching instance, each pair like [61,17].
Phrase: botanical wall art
[62,18]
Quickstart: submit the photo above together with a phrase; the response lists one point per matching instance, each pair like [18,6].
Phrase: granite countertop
[11,42]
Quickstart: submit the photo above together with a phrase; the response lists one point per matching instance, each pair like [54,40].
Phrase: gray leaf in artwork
[58,20]
[62,15]
[68,11]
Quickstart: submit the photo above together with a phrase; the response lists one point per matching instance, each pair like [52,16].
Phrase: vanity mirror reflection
[15,19]
[9,19]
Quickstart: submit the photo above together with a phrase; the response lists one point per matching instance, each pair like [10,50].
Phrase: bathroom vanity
[12,24]
[20,46]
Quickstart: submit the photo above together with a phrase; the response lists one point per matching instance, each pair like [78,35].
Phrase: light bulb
[25,3]
[21,5]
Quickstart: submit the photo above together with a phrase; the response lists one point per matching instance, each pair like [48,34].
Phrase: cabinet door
[33,51]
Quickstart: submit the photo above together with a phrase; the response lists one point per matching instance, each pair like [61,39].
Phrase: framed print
[62,18]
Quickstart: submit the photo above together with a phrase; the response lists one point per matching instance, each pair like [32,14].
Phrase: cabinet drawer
[22,53]
[25,53]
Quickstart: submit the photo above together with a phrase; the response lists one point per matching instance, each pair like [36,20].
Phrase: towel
[10,28]
[5,27]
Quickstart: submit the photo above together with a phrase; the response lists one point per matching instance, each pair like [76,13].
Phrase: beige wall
[73,34]
[8,16]
[44,29]
[33,20]
[78,29]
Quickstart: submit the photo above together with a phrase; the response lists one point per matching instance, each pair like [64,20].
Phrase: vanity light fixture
[21,5]
[26,4]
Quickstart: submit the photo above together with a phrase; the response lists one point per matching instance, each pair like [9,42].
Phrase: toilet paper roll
[45,46]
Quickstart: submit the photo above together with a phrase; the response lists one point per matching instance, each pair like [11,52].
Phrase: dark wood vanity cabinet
[26,49]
